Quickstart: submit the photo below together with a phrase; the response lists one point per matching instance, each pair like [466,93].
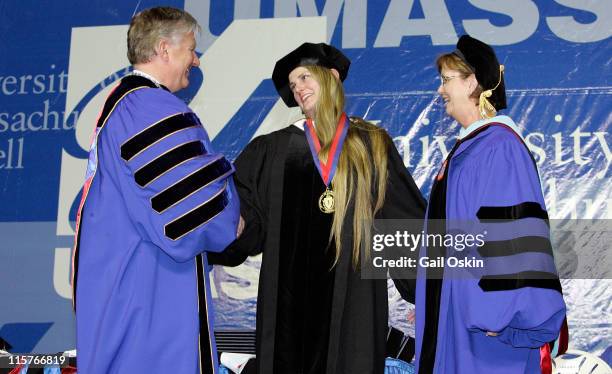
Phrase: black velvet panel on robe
[306,278]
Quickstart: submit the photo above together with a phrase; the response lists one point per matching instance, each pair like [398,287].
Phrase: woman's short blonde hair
[453,62]
[151,25]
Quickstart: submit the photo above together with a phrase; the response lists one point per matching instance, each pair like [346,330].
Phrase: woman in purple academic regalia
[505,316]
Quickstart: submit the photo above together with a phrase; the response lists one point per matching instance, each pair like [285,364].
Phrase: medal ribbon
[328,169]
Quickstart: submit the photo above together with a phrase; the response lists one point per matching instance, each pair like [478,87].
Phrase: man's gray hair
[151,25]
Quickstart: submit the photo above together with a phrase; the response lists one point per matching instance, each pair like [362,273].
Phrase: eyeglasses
[445,79]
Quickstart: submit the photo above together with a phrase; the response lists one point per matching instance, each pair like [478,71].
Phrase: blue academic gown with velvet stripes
[156,198]
[489,184]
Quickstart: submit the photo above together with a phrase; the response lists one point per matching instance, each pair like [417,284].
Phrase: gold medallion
[326,201]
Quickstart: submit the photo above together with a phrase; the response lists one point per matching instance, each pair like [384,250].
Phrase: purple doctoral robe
[156,198]
[489,175]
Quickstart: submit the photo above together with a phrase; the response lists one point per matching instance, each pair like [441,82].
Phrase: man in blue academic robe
[156,198]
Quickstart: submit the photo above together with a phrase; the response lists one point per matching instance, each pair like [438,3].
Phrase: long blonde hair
[361,175]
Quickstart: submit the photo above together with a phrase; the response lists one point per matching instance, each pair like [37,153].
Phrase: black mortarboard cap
[481,58]
[320,54]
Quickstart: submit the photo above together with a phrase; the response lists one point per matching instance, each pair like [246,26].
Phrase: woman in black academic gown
[309,195]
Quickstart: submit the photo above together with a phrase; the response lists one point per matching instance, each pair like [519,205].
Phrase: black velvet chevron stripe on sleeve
[197,217]
[167,161]
[157,132]
[523,210]
[514,246]
[506,282]
[188,185]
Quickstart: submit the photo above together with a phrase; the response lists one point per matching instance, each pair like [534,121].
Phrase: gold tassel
[486,109]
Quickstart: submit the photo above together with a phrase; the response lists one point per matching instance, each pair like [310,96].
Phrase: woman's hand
[240,227]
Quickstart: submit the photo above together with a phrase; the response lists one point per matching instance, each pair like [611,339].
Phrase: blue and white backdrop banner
[61,59]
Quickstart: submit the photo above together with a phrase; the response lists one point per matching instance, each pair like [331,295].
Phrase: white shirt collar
[478,124]
[145,75]
[300,123]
